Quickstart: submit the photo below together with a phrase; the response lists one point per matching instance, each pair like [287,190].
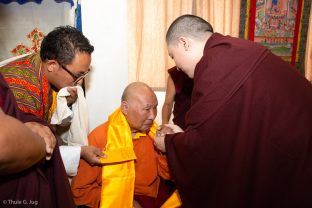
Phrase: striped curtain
[148,21]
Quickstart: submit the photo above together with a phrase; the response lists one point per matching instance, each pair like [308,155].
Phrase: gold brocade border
[299,33]
[246,33]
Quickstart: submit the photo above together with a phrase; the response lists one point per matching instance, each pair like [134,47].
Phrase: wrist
[82,151]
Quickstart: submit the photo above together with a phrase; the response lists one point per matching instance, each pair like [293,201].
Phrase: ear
[185,42]
[124,107]
[52,65]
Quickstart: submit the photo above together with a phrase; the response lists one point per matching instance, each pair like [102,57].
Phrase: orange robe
[149,167]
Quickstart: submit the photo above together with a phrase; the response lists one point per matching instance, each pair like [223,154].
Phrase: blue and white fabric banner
[36,1]
[78,20]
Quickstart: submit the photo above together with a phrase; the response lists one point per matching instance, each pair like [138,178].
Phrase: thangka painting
[275,24]
[36,37]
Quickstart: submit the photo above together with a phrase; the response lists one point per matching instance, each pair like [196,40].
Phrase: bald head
[139,105]
[136,89]
[188,26]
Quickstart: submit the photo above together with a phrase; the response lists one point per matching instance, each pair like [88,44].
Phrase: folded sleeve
[70,156]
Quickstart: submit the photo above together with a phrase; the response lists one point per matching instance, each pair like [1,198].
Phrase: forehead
[145,99]
[81,62]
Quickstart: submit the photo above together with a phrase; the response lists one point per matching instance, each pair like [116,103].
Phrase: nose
[152,114]
[78,83]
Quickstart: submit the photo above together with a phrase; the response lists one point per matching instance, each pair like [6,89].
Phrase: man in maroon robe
[44,184]
[248,136]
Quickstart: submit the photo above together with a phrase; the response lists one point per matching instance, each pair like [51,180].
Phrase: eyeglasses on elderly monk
[77,77]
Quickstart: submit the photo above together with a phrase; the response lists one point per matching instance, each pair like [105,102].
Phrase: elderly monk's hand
[46,134]
[92,154]
[159,142]
[73,95]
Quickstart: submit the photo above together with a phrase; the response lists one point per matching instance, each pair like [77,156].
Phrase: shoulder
[98,136]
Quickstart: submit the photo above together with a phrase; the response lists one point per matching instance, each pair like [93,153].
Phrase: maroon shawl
[182,99]
[248,141]
[43,185]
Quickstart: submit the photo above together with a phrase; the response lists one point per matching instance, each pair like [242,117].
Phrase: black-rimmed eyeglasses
[77,77]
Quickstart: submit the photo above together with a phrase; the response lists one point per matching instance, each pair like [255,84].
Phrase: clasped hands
[73,95]
[162,130]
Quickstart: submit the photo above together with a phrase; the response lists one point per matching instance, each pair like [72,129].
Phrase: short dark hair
[62,43]
[188,25]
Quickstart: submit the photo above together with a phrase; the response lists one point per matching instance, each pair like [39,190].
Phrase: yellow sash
[118,173]
[174,201]
[53,106]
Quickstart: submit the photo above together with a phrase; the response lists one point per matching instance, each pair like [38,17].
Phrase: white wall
[105,25]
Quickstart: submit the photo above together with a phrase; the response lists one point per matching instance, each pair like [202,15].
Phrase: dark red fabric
[43,185]
[165,190]
[182,100]
[248,141]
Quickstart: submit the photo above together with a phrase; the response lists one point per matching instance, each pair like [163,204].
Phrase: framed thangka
[275,24]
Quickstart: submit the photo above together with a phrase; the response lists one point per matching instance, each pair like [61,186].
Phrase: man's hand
[159,139]
[73,95]
[46,134]
[162,130]
[168,129]
[92,154]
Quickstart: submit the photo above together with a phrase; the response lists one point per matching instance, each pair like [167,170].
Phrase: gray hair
[189,26]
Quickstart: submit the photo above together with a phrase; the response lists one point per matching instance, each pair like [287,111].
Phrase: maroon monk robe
[182,99]
[248,141]
[43,185]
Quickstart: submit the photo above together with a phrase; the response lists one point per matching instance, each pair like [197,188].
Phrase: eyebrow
[151,106]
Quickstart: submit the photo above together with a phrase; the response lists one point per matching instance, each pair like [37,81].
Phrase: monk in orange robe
[138,110]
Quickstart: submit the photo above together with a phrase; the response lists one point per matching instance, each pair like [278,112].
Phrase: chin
[145,128]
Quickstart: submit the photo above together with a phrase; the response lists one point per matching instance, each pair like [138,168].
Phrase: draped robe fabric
[182,99]
[248,140]
[45,184]
[29,85]
[150,167]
